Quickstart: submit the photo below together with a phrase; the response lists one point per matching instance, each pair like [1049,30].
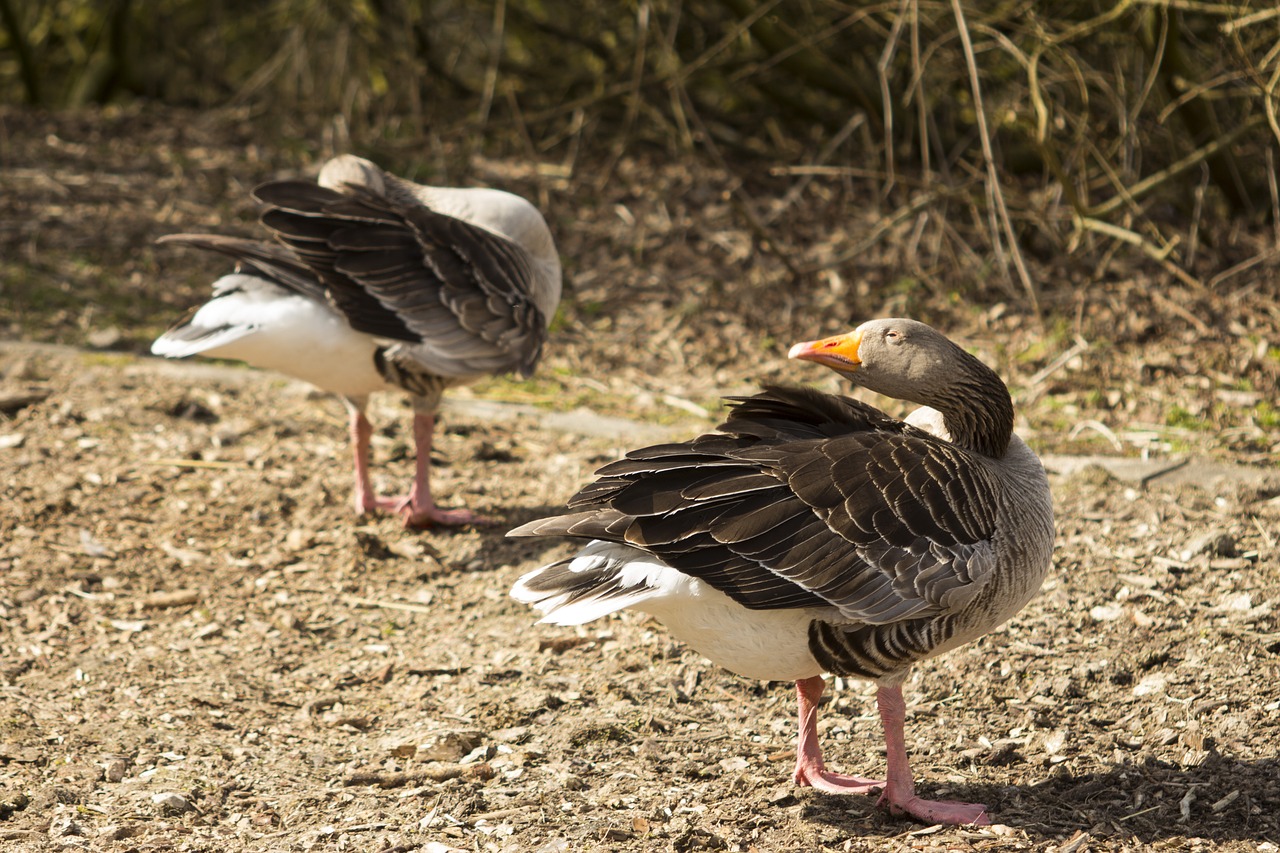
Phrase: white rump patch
[624,577]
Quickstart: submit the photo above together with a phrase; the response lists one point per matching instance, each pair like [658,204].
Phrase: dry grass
[1016,151]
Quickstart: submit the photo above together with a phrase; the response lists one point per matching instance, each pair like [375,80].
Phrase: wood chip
[1075,842]
[431,773]
[357,601]
[559,645]
[171,598]
[213,629]
[1184,805]
[1225,801]
[12,401]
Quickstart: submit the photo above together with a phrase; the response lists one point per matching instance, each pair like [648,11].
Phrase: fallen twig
[855,122]
[1054,366]
[357,601]
[1161,256]
[1098,427]
[194,463]
[172,598]
[431,773]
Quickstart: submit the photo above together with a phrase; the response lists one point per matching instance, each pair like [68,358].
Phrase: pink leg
[419,509]
[361,430]
[810,769]
[900,789]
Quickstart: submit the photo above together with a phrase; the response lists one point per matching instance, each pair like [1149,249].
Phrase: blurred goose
[374,283]
[813,533]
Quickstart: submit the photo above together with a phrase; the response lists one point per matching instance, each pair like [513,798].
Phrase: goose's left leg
[419,508]
[900,789]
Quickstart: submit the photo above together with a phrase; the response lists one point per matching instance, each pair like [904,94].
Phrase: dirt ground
[203,649]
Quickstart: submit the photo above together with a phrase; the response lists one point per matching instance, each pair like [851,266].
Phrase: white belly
[299,338]
[771,645]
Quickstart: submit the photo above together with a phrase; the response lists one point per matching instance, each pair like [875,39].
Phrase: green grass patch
[1266,415]
[107,359]
[1181,418]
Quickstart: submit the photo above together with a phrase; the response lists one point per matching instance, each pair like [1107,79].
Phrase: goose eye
[893,336]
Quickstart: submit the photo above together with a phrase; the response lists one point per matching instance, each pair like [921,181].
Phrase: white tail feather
[627,578]
[175,346]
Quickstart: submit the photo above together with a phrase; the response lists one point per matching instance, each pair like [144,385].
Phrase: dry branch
[1065,109]
[993,177]
[22,47]
[1132,193]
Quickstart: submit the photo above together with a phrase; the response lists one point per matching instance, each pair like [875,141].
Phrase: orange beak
[839,353]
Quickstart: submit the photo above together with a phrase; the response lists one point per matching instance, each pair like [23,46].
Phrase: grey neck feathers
[977,410]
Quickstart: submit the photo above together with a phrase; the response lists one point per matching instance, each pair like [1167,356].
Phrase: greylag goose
[374,283]
[813,533]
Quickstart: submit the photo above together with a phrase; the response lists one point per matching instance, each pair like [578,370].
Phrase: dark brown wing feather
[270,260]
[408,272]
[804,499]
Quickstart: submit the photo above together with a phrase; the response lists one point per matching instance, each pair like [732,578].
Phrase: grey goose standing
[375,283]
[813,533]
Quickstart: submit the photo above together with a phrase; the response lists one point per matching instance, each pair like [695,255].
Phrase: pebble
[104,338]
[212,629]
[1215,543]
[113,769]
[449,746]
[170,803]
[114,832]
[63,825]
[299,539]
[1106,612]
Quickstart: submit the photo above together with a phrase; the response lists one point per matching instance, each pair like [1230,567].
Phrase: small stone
[1153,683]
[63,825]
[1054,741]
[1215,543]
[781,796]
[555,845]
[169,803]
[212,629]
[113,769]
[1106,613]
[298,539]
[449,746]
[104,338]
[515,734]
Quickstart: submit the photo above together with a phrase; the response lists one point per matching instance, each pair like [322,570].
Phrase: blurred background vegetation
[1014,132]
